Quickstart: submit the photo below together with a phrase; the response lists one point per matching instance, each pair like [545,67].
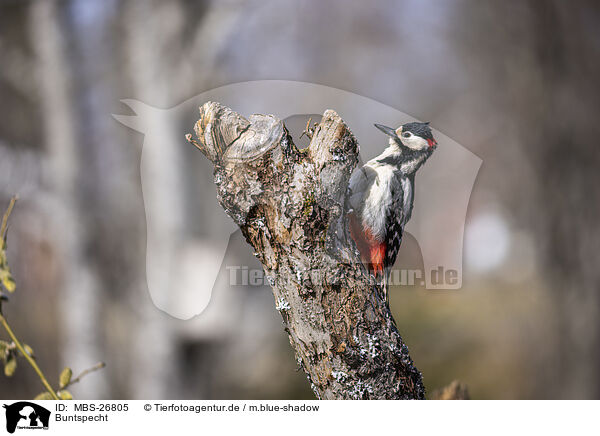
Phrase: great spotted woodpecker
[381,196]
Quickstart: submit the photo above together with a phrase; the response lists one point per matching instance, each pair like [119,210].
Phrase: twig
[85,372]
[307,130]
[13,200]
[30,359]
[193,141]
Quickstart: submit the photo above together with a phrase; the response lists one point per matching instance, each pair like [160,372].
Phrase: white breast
[378,200]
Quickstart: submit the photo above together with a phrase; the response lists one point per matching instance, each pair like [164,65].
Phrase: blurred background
[514,82]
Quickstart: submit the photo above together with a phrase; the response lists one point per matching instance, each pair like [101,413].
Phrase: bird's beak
[387,130]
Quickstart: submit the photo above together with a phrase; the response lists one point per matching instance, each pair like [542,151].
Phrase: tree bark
[289,204]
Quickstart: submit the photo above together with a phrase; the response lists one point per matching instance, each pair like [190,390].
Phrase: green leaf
[43,396]
[65,377]
[64,395]
[10,366]
[3,347]
[29,350]
[7,280]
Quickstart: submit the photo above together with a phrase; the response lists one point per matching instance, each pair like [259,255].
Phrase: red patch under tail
[372,251]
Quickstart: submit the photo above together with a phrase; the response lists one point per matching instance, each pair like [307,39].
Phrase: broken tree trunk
[289,204]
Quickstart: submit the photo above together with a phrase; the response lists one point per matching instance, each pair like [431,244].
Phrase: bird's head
[414,136]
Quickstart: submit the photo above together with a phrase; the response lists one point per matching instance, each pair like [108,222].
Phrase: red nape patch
[431,142]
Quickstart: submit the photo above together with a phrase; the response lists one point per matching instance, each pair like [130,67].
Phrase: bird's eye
[407,134]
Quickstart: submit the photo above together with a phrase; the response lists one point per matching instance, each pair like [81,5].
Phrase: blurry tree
[562,111]
[61,125]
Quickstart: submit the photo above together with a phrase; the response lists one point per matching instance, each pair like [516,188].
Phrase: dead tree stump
[289,204]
